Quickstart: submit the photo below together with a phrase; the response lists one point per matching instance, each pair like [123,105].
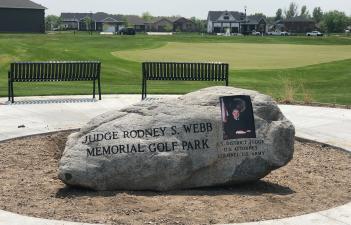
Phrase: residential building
[136,22]
[92,21]
[234,22]
[297,24]
[181,24]
[21,16]
[171,24]
[159,24]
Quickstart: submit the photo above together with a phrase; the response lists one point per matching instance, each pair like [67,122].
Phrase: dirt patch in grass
[318,178]
[5,59]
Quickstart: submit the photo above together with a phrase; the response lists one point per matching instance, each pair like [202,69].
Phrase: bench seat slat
[183,72]
[53,71]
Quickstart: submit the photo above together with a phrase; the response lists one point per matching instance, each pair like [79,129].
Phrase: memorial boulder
[211,137]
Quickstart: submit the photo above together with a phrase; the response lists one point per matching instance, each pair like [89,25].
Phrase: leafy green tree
[126,21]
[292,11]
[52,21]
[259,15]
[317,14]
[147,16]
[200,25]
[335,21]
[270,20]
[304,12]
[89,24]
[168,28]
[278,15]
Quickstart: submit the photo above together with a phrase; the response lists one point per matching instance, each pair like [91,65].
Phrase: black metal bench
[183,72]
[54,71]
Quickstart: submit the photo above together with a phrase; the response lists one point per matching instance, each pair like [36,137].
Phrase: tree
[147,16]
[168,28]
[335,21]
[89,24]
[304,12]
[259,15]
[292,11]
[278,15]
[52,21]
[200,25]
[317,14]
[126,21]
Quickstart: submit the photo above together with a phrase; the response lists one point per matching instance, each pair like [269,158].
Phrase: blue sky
[187,8]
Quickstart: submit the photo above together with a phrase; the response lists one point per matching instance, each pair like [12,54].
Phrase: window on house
[226,17]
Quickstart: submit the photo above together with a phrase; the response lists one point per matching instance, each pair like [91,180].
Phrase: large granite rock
[176,143]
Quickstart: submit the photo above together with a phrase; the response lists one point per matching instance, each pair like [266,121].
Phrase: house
[92,21]
[254,23]
[297,24]
[136,22]
[159,24]
[181,24]
[21,16]
[168,24]
[234,22]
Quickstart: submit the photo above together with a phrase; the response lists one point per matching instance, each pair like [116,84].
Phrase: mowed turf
[242,55]
[326,82]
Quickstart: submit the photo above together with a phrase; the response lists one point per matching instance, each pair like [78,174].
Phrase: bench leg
[94,89]
[99,88]
[143,94]
[145,88]
[12,94]
[9,90]
[142,90]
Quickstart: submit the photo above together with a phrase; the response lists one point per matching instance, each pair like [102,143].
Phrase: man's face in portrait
[236,114]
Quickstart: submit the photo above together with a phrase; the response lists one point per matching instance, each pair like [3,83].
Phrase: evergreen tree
[317,14]
[292,11]
[304,12]
[278,15]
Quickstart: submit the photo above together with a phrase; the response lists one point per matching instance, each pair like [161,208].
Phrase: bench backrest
[55,71]
[185,71]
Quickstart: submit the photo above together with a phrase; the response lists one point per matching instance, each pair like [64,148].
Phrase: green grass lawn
[319,68]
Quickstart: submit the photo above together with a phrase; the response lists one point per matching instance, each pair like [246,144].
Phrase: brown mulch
[318,178]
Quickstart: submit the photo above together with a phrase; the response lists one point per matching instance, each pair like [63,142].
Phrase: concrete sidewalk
[325,125]
[35,115]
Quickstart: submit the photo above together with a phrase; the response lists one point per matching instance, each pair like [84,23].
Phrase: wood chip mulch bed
[318,178]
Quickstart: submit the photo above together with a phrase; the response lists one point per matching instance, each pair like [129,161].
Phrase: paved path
[34,115]
[326,125]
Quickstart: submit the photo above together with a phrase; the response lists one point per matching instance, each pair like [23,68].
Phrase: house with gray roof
[136,22]
[92,21]
[234,22]
[21,16]
[181,24]
[159,24]
[174,24]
